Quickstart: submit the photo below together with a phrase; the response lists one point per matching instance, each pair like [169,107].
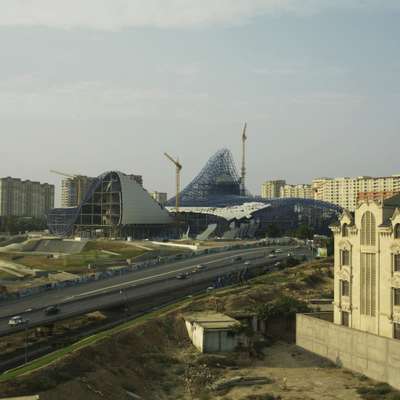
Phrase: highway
[127,288]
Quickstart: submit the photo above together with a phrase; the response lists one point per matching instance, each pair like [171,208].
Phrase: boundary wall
[376,357]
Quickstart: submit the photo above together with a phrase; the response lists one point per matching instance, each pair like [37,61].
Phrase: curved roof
[135,206]
[138,207]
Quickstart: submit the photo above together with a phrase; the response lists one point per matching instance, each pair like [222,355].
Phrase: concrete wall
[374,356]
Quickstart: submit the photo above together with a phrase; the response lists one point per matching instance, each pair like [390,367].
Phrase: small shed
[212,332]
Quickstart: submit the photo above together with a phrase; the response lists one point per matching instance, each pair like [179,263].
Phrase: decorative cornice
[345,244]
[395,248]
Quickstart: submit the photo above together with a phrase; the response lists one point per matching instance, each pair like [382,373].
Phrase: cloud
[119,14]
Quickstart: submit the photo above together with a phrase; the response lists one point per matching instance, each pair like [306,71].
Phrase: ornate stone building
[367,268]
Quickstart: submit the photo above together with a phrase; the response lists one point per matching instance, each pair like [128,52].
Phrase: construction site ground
[154,359]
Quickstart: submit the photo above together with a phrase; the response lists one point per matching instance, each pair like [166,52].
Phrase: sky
[96,85]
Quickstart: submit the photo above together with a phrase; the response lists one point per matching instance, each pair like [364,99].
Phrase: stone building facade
[367,268]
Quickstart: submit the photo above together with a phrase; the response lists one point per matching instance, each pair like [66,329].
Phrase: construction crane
[178,167]
[243,171]
[78,180]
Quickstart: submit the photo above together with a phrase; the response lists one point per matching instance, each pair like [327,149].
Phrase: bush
[284,306]
[313,279]
[379,391]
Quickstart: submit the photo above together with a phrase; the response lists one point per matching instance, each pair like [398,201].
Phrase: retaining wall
[374,356]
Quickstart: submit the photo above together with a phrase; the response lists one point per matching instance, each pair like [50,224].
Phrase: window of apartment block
[396,331]
[345,288]
[345,318]
[368,284]
[345,257]
[368,229]
[396,262]
[396,297]
[345,230]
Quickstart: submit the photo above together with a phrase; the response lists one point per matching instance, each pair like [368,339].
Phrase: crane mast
[178,168]
[243,170]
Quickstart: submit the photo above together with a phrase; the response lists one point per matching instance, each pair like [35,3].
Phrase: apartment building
[346,191]
[272,189]
[280,189]
[367,268]
[25,198]
[160,197]
[75,188]
[297,191]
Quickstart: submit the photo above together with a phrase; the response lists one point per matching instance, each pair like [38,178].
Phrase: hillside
[154,358]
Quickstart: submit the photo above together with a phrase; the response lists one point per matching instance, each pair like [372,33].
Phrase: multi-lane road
[137,285]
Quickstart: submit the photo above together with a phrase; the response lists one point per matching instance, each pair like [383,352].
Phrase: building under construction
[75,187]
[115,205]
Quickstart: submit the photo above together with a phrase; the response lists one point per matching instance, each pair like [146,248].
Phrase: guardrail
[121,270]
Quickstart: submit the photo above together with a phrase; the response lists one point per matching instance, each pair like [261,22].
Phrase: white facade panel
[138,207]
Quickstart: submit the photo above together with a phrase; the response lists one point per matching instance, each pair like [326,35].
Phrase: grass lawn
[91,254]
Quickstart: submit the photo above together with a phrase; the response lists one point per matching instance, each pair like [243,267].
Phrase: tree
[273,230]
[304,232]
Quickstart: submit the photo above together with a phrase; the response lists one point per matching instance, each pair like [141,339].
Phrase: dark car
[52,310]
[180,276]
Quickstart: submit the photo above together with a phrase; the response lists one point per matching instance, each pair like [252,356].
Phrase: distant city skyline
[112,85]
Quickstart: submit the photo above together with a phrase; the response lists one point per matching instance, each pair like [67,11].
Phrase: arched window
[345,230]
[397,231]
[368,229]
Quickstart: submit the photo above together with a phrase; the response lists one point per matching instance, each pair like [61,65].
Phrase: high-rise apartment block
[280,189]
[272,189]
[75,188]
[367,268]
[346,192]
[297,191]
[25,198]
[160,197]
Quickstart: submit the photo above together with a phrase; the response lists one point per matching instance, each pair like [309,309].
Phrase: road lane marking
[149,277]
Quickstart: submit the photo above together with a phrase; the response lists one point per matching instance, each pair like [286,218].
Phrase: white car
[278,251]
[210,289]
[247,263]
[17,320]
[200,267]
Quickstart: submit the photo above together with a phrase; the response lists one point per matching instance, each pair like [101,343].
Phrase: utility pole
[243,171]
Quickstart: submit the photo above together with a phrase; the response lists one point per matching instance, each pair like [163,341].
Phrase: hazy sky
[92,85]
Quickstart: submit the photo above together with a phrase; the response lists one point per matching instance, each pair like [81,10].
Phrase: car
[210,289]
[247,263]
[180,276]
[200,267]
[272,255]
[278,251]
[237,258]
[277,264]
[52,310]
[290,254]
[17,320]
